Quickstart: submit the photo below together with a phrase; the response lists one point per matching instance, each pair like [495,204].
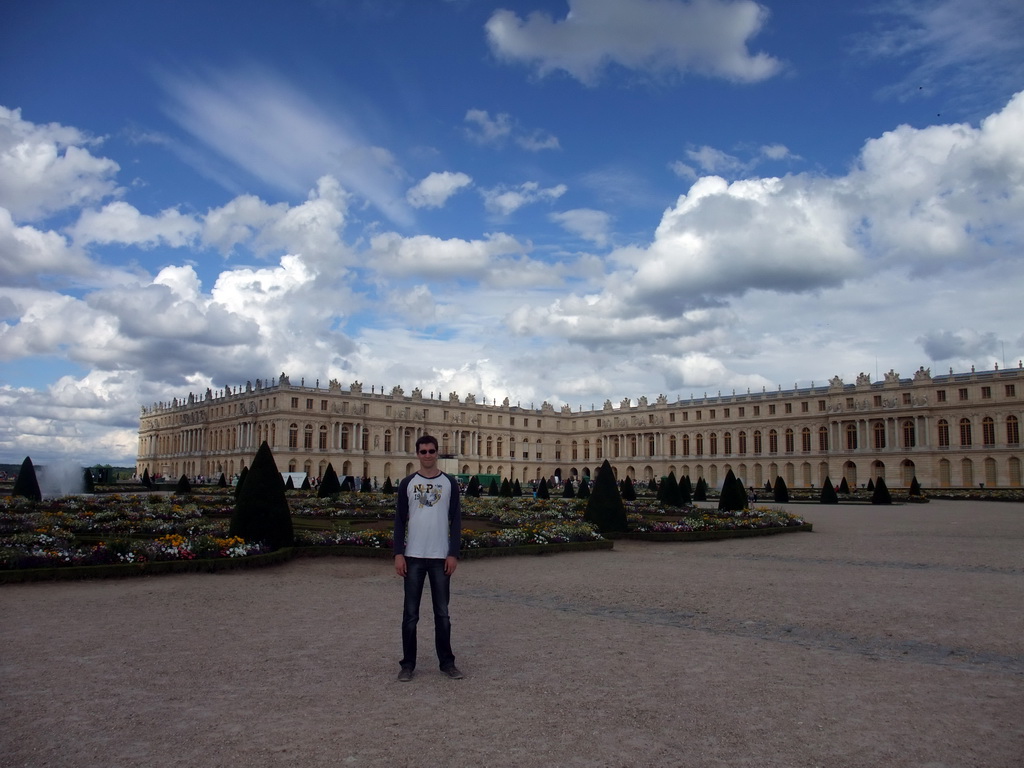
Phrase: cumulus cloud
[48,168]
[710,160]
[119,222]
[30,255]
[504,200]
[434,190]
[707,37]
[426,256]
[483,129]
[917,201]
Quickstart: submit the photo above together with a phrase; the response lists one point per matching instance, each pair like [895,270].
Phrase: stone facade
[955,430]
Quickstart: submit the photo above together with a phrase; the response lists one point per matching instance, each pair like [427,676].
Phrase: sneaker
[405,675]
[452,672]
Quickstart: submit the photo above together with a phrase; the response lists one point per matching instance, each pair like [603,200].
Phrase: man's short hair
[423,439]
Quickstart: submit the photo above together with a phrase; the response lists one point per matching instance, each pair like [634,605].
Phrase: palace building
[956,430]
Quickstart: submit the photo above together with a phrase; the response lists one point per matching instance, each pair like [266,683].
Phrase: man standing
[428,533]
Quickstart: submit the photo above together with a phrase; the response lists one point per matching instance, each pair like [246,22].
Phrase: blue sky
[560,201]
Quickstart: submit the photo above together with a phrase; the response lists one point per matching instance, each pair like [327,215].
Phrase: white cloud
[504,200]
[278,134]
[119,222]
[29,254]
[426,256]
[47,168]
[708,37]
[434,190]
[585,222]
[496,131]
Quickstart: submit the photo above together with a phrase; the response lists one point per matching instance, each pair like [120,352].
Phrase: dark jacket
[454,516]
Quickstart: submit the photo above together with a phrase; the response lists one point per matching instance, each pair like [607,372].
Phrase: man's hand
[450,564]
[400,567]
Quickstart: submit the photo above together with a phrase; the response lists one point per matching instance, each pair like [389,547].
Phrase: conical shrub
[27,484]
[492,489]
[700,491]
[584,489]
[828,493]
[604,507]
[685,491]
[870,486]
[184,487]
[330,485]
[669,492]
[506,489]
[473,488]
[147,481]
[844,486]
[306,485]
[389,487]
[517,489]
[628,489]
[568,492]
[261,510]
[88,484]
[241,480]
[367,486]
[915,487]
[542,489]
[732,498]
[781,491]
[223,482]
[881,494]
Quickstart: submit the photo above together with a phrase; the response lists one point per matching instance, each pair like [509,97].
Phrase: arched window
[789,440]
[805,444]
[575,451]
[686,445]
[672,445]
[344,437]
[387,441]
[586,450]
[988,431]
[878,428]
[943,426]
[822,438]
[307,437]
[743,443]
[773,441]
[713,443]
[293,436]
[965,432]
[1012,431]
[699,442]
[909,434]
[851,437]
[727,443]
[757,441]
[323,438]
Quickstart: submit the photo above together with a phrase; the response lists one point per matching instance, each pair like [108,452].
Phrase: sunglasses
[430,450]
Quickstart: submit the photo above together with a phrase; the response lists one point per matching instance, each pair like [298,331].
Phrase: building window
[672,445]
[686,445]
[712,416]
[789,407]
[821,406]
[805,440]
[851,437]
[757,410]
[575,450]
[909,435]
[293,436]
[805,407]
[344,438]
[757,441]
[906,398]
[1011,390]
[940,395]
[943,433]
[743,442]
[700,444]
[686,415]
[307,437]
[849,402]
[988,431]
[713,443]
[323,405]
[877,401]
[699,415]
[773,441]
[771,410]
[822,438]
[879,432]
[965,432]
[789,441]
[962,393]
[1012,431]
[743,411]
[727,443]
[295,402]
[387,441]
[672,418]
[586,450]
[323,439]
[986,393]
[511,419]
[725,412]
[309,403]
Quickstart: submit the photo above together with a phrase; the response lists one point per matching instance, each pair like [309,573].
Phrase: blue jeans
[418,569]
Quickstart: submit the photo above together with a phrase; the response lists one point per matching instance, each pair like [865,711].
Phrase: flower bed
[121,534]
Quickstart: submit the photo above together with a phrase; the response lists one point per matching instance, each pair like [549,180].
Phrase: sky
[546,200]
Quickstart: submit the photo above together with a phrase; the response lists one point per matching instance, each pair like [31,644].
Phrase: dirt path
[888,637]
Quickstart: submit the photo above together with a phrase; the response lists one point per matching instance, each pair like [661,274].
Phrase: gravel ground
[887,637]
